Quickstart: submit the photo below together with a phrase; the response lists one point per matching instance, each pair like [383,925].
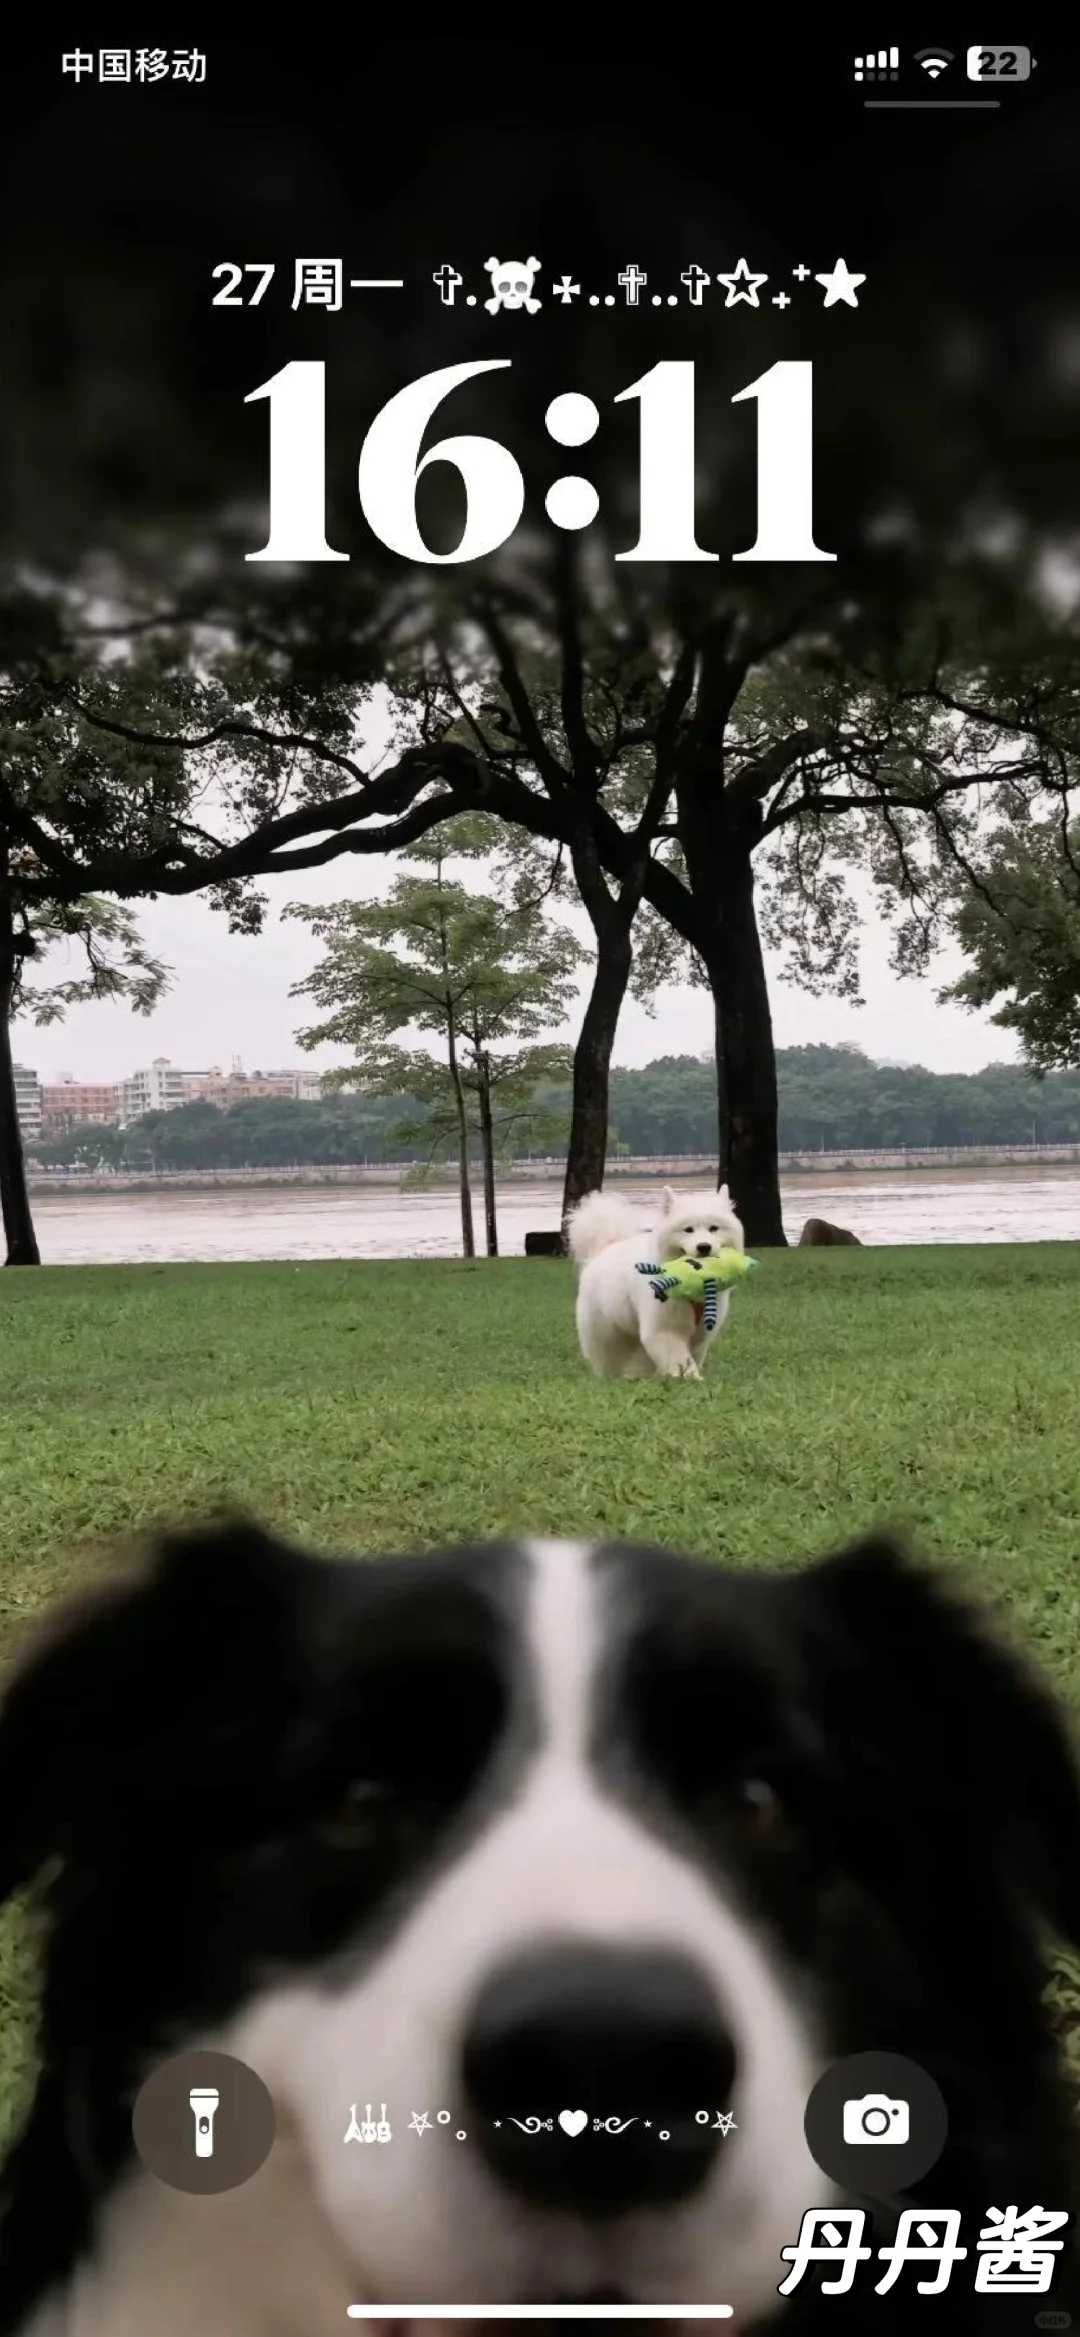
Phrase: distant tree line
[832,1099]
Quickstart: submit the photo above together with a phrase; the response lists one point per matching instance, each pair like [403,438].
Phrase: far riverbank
[682,1165]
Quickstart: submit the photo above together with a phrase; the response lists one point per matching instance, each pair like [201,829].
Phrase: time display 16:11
[391,464]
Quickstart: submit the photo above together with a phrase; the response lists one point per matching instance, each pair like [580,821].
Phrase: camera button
[875,2123]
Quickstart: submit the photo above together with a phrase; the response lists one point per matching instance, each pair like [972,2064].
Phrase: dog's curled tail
[598,1220]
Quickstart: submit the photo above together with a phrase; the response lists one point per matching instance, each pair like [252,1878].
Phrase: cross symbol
[633,279]
[565,291]
[695,279]
[781,300]
[801,273]
[447,279]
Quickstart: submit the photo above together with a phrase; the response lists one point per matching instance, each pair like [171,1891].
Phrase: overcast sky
[230,998]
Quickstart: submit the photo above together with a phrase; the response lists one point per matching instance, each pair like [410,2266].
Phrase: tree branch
[583,754]
[220,732]
[551,771]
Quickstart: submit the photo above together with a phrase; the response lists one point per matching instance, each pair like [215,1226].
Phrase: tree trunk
[487,1141]
[468,1239]
[587,1154]
[22,1249]
[720,867]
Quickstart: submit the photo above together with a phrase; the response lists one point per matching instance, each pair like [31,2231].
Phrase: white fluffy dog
[624,1331]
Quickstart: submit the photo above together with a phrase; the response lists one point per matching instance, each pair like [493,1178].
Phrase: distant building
[162,1087]
[242,1087]
[159,1088]
[74,1103]
[28,1103]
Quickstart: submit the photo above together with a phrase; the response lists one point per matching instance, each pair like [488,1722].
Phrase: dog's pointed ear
[724,1196]
[173,1675]
[939,1715]
[667,1200]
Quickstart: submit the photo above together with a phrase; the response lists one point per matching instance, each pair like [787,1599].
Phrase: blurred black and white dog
[505,1831]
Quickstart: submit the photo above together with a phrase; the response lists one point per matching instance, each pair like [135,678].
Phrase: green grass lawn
[372,1406]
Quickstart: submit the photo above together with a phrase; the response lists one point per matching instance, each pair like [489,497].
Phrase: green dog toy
[700,1280]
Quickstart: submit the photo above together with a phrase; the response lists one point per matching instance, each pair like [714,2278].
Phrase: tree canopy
[1020,930]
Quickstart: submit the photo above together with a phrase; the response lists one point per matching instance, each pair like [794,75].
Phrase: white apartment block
[28,1103]
[158,1088]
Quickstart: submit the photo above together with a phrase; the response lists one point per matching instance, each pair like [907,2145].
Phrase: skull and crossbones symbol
[511,285]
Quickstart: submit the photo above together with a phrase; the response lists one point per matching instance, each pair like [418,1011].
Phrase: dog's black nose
[576,2034]
[704,1249]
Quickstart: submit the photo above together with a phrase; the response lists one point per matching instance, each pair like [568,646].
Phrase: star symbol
[725,2122]
[419,2123]
[742,286]
[565,291]
[840,285]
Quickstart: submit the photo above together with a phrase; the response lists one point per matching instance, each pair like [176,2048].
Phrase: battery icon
[999,65]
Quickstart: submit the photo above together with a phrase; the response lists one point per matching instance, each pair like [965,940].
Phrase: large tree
[85,799]
[104,935]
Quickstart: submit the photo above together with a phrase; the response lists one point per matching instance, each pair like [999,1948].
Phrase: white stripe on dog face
[558,1859]
[564,1635]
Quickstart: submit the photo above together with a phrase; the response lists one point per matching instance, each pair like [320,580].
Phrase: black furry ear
[180,1675]
[935,1711]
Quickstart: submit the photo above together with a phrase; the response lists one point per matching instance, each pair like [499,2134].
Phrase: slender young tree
[434,957]
[519,996]
[505,1105]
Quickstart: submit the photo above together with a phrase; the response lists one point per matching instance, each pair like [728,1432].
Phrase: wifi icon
[933,61]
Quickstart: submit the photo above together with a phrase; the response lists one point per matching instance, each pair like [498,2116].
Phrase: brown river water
[377,1221]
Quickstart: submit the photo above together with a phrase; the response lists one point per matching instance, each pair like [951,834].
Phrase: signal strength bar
[878,65]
